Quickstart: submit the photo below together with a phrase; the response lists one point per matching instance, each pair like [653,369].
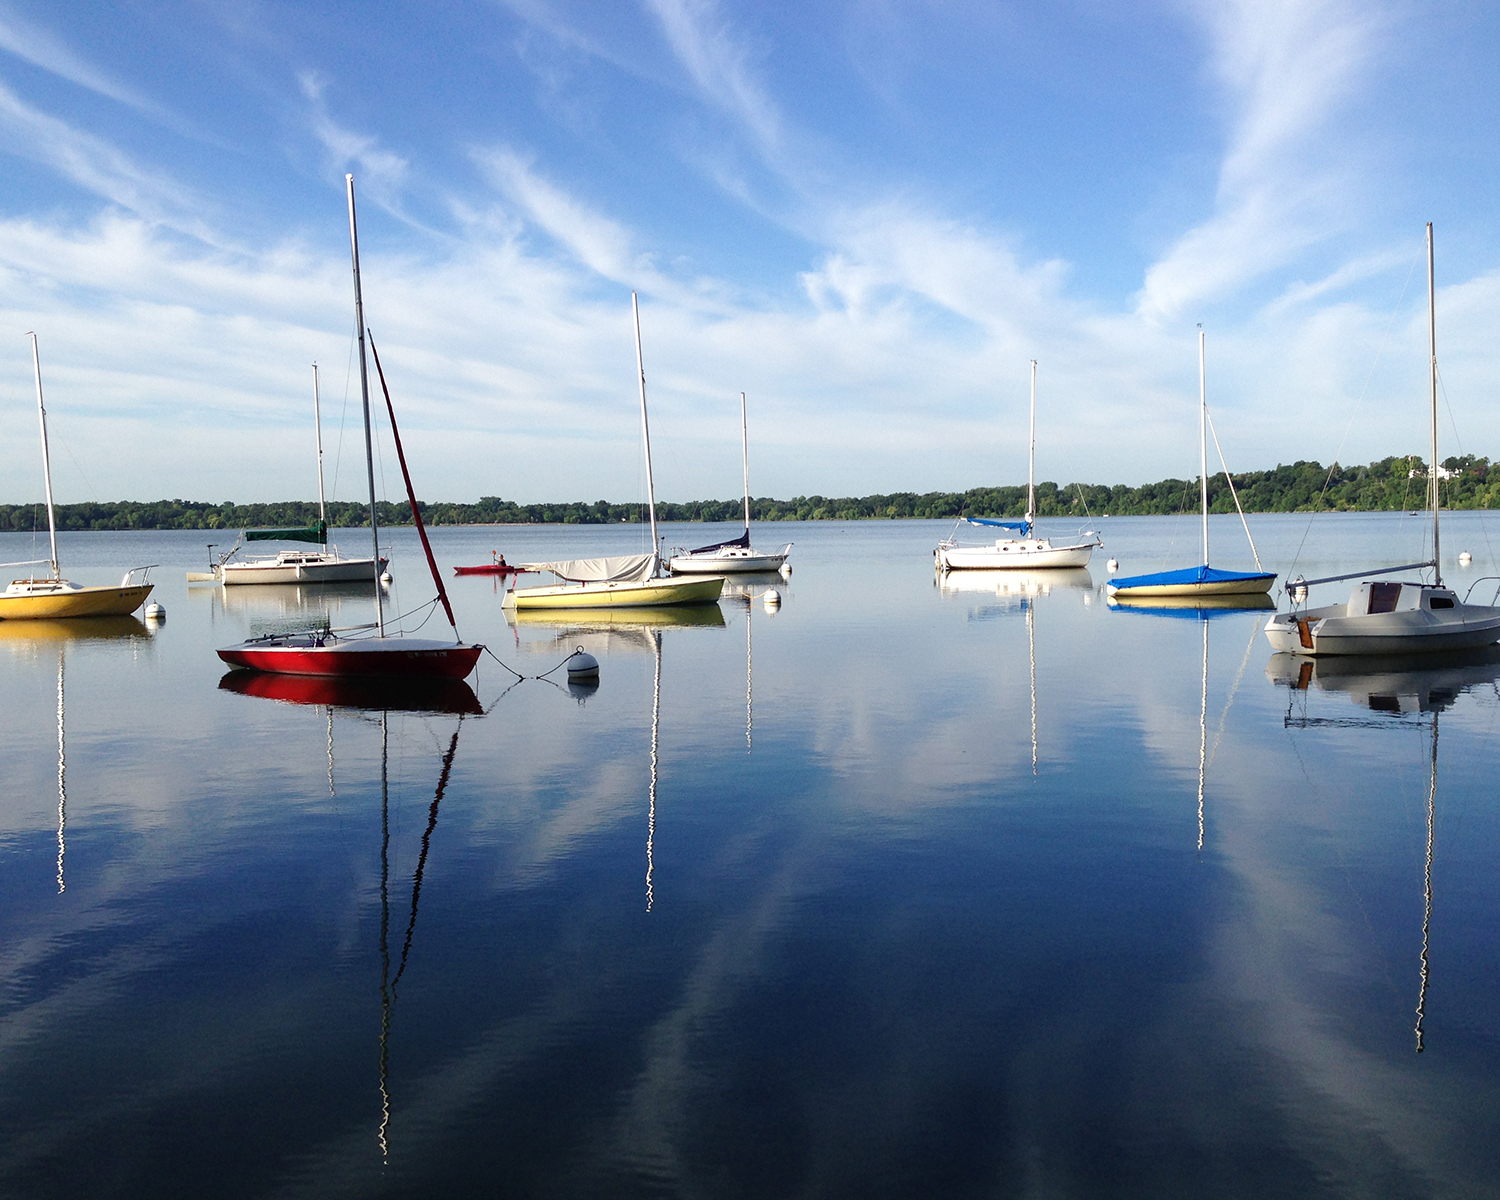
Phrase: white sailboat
[1385,617]
[1028,551]
[737,556]
[617,581]
[325,565]
[52,596]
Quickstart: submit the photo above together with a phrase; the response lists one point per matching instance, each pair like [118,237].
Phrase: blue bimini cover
[1021,525]
[1190,579]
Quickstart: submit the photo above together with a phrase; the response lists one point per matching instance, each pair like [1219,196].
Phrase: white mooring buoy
[1113,565]
[155,612]
[1465,558]
[582,665]
[386,579]
[771,600]
[786,570]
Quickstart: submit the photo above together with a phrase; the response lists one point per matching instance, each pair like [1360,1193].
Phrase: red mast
[411,496]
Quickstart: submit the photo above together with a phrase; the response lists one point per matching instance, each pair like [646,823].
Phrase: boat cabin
[40,587]
[1379,596]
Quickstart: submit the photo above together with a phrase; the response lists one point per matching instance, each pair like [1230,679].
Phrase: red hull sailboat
[371,653]
[328,654]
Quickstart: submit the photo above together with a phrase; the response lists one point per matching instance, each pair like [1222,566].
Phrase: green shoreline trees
[1390,484]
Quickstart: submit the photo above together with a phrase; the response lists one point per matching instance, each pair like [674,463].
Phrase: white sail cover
[617,568]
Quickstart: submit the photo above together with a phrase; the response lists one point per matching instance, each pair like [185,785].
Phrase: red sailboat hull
[394,657]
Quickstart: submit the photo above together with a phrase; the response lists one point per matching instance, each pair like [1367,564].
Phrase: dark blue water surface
[925,901]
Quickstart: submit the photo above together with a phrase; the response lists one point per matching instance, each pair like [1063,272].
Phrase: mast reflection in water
[1393,689]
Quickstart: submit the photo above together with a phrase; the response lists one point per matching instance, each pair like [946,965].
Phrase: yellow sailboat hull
[74,602]
[639,594]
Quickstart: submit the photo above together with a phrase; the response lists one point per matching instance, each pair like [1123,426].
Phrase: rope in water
[543,675]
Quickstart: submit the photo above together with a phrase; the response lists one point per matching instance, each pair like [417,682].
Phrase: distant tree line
[1390,484]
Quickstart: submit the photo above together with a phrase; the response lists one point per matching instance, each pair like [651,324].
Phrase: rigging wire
[344,411]
[1483,525]
[1328,479]
[1232,492]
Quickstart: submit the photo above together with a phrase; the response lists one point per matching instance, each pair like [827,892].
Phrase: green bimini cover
[316,532]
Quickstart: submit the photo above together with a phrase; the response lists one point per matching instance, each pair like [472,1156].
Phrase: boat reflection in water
[601,631]
[1014,584]
[1203,608]
[1016,590]
[20,634]
[363,698]
[1195,605]
[451,697]
[589,620]
[26,639]
[1402,688]
[1396,685]
[292,607]
[755,585]
[604,631]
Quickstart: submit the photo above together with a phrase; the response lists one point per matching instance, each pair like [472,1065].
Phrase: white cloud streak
[1290,68]
[40,49]
[94,165]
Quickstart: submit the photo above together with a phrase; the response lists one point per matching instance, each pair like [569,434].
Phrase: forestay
[616,568]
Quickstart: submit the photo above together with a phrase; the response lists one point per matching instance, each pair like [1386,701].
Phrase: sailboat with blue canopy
[1026,552]
[1202,580]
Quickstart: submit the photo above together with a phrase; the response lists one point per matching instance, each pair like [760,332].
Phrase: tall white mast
[318,428]
[1203,439]
[1432,471]
[364,396]
[1031,458]
[41,415]
[635,307]
[745,456]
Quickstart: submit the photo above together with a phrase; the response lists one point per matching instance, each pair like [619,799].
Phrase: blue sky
[869,217]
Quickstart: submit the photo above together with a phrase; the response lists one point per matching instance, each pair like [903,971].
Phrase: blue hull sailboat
[1202,580]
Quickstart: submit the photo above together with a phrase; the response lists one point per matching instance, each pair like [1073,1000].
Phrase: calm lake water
[901,890]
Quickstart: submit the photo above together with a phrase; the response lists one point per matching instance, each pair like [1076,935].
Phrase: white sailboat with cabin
[1027,552]
[736,556]
[325,565]
[622,580]
[51,596]
[1384,616]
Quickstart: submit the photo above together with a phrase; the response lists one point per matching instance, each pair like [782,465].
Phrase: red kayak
[498,567]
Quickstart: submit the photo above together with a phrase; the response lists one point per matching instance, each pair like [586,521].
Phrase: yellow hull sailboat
[617,581]
[53,597]
[639,593]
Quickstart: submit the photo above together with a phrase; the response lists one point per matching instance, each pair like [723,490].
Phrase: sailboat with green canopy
[325,565]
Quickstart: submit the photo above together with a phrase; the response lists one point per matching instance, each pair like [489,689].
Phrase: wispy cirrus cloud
[595,241]
[41,49]
[1290,69]
[384,175]
[93,164]
[719,65]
